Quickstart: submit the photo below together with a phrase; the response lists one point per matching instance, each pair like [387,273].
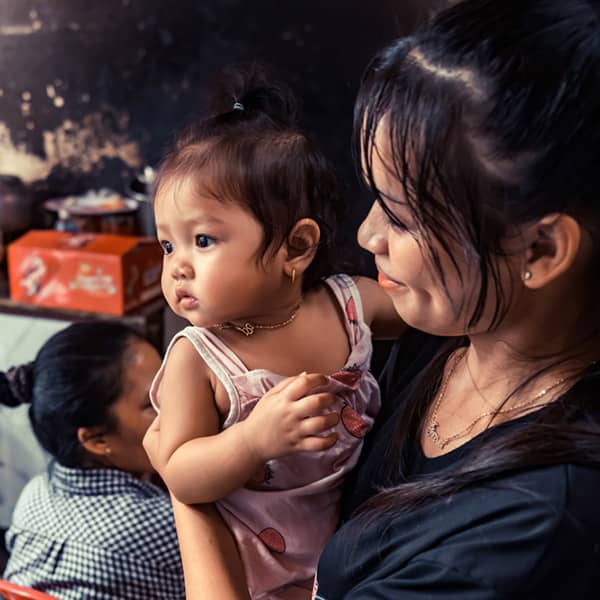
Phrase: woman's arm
[379,311]
[201,464]
[211,562]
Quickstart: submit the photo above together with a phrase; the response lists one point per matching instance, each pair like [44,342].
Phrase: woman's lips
[387,283]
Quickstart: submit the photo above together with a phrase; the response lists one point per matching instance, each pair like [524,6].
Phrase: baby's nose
[182,270]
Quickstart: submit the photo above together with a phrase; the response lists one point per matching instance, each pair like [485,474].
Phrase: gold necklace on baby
[442,442]
[249,328]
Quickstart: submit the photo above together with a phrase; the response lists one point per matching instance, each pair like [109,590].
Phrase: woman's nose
[372,231]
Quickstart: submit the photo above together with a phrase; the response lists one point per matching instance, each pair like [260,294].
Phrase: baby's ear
[301,246]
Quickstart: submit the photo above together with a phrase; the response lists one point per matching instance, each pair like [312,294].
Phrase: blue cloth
[100,534]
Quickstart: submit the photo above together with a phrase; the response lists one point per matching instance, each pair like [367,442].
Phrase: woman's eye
[398,224]
[394,222]
[204,241]
[166,246]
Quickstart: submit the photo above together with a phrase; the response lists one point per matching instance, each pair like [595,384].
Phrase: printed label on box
[91,272]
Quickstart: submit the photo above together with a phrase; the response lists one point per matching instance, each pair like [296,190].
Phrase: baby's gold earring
[293,275]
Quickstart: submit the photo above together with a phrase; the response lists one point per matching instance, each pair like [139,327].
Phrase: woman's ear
[553,247]
[93,440]
[301,246]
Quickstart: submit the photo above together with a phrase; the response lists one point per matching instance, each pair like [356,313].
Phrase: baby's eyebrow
[208,219]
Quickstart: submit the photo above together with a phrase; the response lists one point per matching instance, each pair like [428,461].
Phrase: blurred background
[91,93]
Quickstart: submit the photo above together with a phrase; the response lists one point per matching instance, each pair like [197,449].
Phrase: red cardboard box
[92,272]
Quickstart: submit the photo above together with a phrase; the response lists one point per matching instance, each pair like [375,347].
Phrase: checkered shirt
[100,534]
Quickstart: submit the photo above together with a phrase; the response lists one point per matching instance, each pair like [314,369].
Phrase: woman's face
[406,271]
[133,412]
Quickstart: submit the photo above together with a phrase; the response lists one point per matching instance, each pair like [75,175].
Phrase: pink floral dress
[284,516]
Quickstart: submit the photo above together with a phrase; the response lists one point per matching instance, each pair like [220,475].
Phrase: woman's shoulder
[94,504]
[103,523]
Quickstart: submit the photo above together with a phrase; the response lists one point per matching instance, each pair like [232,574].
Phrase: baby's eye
[204,241]
[166,246]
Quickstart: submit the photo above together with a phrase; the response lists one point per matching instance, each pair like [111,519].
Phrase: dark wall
[92,91]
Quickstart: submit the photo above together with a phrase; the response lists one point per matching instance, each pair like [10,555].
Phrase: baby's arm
[201,464]
[196,462]
[379,311]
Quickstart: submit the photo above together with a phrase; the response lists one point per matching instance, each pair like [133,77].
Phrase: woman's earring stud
[527,275]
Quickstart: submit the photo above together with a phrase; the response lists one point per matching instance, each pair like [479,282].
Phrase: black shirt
[532,534]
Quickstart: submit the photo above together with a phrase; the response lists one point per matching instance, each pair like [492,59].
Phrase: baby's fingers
[317,443]
[315,425]
[300,385]
[315,404]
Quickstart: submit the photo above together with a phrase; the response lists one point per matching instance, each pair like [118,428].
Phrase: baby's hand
[150,442]
[287,420]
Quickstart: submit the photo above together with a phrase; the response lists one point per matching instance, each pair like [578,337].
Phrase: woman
[480,140]
[94,525]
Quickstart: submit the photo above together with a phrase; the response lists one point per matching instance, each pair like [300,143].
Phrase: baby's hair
[252,152]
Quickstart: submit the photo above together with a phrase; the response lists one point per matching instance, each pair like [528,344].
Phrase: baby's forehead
[200,182]
[183,198]
[173,186]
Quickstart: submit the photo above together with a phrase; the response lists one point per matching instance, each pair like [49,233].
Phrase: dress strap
[213,349]
[346,292]
[219,358]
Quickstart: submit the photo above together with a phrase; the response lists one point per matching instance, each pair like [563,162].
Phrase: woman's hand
[289,418]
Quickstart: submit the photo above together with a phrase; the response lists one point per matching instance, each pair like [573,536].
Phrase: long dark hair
[251,151]
[73,382]
[492,116]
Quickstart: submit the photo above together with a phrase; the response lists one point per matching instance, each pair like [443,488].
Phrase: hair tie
[238,106]
[20,383]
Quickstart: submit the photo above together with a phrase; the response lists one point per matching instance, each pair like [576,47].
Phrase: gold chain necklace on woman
[442,442]
[248,328]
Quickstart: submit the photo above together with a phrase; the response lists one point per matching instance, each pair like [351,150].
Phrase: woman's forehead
[380,165]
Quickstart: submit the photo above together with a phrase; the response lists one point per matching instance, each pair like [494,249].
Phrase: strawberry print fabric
[284,516]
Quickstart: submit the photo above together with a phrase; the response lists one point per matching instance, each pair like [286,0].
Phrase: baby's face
[212,268]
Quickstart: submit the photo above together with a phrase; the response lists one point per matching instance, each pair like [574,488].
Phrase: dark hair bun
[249,89]
[16,385]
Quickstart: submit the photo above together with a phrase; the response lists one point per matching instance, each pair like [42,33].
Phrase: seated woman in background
[93,526]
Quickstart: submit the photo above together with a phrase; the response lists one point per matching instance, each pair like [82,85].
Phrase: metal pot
[16,205]
[140,190]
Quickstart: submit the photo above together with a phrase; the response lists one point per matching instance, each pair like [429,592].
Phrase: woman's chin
[426,321]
